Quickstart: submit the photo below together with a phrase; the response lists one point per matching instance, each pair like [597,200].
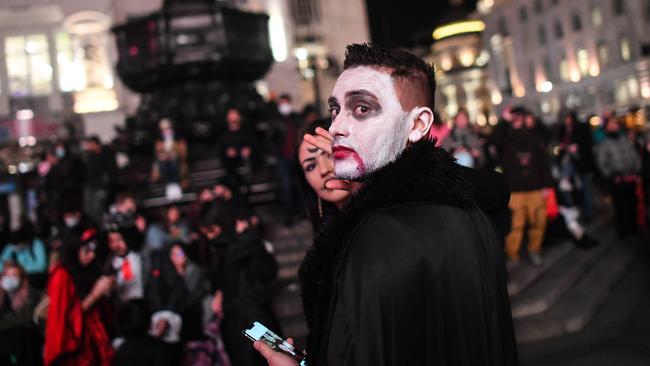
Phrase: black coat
[581,136]
[409,273]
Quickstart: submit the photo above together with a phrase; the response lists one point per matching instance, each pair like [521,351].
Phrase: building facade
[57,58]
[462,72]
[557,55]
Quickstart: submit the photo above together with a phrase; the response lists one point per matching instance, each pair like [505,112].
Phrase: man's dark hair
[95,139]
[412,71]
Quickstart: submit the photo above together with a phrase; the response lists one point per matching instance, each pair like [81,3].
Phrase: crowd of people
[94,279]
[91,277]
[552,171]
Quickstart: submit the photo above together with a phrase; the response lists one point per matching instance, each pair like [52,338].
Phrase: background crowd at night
[152,205]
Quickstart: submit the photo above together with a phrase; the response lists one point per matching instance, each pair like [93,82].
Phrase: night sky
[406,23]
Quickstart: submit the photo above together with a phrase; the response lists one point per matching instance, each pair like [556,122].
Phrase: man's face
[117,245]
[370,128]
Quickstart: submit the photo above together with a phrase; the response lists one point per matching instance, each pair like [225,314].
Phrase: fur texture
[421,174]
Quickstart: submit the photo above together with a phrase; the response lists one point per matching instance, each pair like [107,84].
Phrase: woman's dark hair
[25,234]
[310,197]
[83,277]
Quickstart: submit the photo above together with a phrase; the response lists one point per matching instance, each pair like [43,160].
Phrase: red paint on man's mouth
[342,152]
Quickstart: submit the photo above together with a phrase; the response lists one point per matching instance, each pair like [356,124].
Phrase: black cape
[409,273]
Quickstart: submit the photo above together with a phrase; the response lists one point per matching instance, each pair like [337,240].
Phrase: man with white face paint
[410,272]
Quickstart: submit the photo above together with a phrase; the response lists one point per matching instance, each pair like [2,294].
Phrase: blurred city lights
[301,53]
[466,57]
[496,97]
[483,58]
[453,29]
[24,114]
[594,121]
[277,32]
[545,87]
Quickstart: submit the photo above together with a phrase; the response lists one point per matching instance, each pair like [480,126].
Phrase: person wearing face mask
[620,164]
[286,130]
[28,251]
[19,339]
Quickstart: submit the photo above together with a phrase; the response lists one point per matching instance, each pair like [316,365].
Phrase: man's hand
[274,358]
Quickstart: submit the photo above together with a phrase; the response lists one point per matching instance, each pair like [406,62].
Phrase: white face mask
[71,221]
[10,283]
[369,126]
[285,109]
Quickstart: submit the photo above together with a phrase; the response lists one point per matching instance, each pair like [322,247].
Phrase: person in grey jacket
[620,164]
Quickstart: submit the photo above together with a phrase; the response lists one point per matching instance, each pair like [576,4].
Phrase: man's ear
[422,118]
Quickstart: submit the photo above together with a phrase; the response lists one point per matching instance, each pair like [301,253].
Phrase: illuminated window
[633,86]
[626,51]
[596,16]
[583,61]
[603,54]
[548,69]
[28,65]
[564,69]
[72,76]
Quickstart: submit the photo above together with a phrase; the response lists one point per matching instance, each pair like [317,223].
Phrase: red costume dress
[73,337]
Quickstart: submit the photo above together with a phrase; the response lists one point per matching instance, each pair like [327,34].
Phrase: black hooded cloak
[409,273]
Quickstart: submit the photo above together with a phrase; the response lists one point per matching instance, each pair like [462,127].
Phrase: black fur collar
[423,173]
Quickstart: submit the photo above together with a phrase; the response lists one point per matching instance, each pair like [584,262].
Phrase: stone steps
[524,276]
[557,278]
[574,310]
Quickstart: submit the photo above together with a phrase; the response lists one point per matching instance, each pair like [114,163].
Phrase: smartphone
[259,332]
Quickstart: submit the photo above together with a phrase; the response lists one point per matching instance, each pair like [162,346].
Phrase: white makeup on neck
[369,126]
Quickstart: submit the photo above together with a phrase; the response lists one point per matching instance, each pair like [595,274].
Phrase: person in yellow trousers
[526,167]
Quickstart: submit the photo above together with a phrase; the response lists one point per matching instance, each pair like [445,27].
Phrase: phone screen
[259,332]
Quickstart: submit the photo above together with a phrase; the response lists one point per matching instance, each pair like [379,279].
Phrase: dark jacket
[523,158]
[409,273]
[580,135]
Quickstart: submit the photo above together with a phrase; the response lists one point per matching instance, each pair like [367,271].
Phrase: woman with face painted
[76,332]
[19,338]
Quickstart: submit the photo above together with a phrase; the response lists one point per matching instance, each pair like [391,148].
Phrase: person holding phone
[410,270]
